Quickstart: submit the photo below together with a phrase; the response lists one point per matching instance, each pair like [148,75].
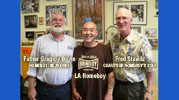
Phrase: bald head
[90,24]
[124,11]
[89,33]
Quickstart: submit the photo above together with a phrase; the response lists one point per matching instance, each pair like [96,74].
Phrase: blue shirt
[48,47]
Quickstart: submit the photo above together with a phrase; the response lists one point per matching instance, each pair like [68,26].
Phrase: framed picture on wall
[151,32]
[39,34]
[138,9]
[137,29]
[29,34]
[29,6]
[30,21]
[52,9]
[85,10]
[41,20]
[154,43]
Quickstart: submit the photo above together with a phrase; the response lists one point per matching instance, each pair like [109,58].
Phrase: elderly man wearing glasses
[133,51]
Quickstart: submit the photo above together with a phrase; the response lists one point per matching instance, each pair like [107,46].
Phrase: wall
[42,13]
[152,22]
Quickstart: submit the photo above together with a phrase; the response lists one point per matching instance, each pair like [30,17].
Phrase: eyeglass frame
[122,18]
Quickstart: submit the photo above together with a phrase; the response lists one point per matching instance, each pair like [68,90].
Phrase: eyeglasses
[122,18]
[60,20]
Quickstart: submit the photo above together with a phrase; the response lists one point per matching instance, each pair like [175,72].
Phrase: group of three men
[89,78]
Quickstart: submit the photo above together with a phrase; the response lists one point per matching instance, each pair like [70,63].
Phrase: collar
[128,38]
[51,36]
[90,47]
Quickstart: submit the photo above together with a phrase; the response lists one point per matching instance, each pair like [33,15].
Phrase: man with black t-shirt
[90,80]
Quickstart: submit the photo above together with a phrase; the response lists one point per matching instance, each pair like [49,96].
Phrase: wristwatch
[150,92]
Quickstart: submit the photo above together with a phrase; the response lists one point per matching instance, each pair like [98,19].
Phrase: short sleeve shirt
[134,54]
[90,75]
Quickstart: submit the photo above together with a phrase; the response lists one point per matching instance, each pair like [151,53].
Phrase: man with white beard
[52,83]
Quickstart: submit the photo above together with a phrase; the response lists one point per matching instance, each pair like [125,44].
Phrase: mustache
[57,25]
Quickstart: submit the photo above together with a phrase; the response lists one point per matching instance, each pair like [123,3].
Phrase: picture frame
[30,6]
[39,34]
[29,34]
[41,20]
[137,29]
[30,21]
[153,42]
[151,32]
[88,10]
[52,9]
[137,8]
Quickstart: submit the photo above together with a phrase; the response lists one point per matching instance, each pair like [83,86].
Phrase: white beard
[57,30]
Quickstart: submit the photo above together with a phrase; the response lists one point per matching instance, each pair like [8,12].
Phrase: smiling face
[89,32]
[57,23]
[124,20]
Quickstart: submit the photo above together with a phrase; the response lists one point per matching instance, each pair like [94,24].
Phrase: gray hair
[130,13]
[59,13]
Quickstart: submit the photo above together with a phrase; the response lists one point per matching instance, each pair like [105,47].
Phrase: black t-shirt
[90,75]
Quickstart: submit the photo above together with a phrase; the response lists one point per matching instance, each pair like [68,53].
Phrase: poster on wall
[92,10]
[29,6]
[52,9]
[138,9]
[25,53]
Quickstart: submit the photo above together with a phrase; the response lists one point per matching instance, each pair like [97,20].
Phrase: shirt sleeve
[147,53]
[108,58]
[32,71]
